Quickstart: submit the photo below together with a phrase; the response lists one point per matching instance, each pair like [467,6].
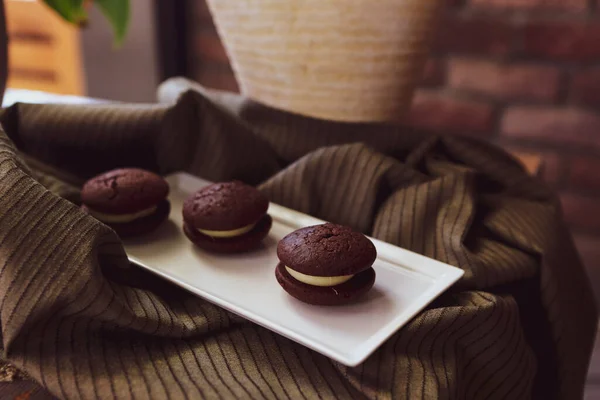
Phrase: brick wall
[522,73]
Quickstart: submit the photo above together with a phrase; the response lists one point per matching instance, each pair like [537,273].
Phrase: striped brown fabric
[84,324]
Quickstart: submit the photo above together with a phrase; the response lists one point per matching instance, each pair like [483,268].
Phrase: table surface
[12,96]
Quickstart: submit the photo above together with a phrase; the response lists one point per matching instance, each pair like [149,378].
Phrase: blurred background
[522,73]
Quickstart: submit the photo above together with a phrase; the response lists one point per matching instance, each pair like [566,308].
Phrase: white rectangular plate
[245,284]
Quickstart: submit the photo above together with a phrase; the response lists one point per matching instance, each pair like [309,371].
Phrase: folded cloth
[82,323]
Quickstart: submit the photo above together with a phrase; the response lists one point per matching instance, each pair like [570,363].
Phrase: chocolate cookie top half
[224,206]
[123,191]
[327,250]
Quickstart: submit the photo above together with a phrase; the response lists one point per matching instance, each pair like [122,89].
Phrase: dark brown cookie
[237,244]
[124,191]
[142,225]
[344,293]
[224,206]
[327,250]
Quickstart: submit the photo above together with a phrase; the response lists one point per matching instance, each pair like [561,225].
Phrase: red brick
[206,25]
[584,173]
[447,114]
[214,77]
[585,88]
[589,250]
[474,35]
[581,212]
[201,9]
[558,125]
[567,5]
[209,46]
[551,165]
[563,41]
[505,81]
[531,161]
[434,73]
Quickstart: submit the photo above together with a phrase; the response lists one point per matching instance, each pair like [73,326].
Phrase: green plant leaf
[71,10]
[117,13]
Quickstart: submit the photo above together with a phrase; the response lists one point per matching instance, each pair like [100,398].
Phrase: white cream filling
[121,218]
[324,281]
[227,234]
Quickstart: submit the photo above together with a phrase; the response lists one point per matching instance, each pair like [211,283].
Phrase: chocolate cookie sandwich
[326,264]
[131,201]
[229,217]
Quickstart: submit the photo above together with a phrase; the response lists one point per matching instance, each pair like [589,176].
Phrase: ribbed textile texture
[83,323]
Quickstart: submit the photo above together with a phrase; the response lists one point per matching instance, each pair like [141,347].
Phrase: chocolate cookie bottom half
[236,244]
[344,293]
[142,225]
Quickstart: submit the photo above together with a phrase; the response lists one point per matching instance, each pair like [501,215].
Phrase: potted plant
[345,60]
[75,11]
[349,60]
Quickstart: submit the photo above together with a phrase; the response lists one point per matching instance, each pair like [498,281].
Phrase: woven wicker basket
[347,60]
